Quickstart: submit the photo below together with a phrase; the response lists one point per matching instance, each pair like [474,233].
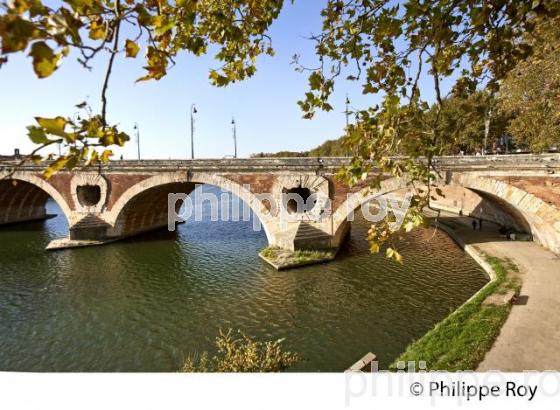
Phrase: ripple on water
[144,304]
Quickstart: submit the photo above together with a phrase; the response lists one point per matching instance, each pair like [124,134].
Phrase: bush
[241,354]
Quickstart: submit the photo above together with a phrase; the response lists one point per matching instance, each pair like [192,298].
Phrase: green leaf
[315,80]
[218,79]
[15,33]
[37,135]
[53,126]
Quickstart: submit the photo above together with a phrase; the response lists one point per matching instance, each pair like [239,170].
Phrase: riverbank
[460,341]
[527,337]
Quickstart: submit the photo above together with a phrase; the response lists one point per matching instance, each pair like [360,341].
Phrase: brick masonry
[522,192]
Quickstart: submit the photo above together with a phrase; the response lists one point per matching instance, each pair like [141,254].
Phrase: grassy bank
[461,340]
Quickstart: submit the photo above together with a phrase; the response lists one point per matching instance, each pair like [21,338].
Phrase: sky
[264,106]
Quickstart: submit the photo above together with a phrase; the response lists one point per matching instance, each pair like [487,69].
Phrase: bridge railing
[525,161]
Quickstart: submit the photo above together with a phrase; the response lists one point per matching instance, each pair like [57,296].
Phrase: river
[146,303]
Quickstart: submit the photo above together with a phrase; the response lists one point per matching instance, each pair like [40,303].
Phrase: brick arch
[543,219]
[151,195]
[530,212]
[28,196]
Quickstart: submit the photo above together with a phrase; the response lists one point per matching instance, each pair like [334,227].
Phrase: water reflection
[144,304]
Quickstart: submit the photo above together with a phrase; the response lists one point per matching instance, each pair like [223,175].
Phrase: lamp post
[347,112]
[234,128]
[487,115]
[193,111]
[75,119]
[137,132]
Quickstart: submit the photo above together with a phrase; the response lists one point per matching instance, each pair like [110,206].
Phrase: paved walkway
[530,338]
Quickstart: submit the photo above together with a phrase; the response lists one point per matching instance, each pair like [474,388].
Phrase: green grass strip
[461,340]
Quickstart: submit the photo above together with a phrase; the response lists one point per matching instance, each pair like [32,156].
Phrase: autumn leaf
[98,29]
[218,79]
[55,167]
[393,254]
[131,49]
[157,65]
[45,61]
[106,155]
[374,247]
[94,158]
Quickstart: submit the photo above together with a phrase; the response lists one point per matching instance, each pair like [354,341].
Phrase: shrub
[241,354]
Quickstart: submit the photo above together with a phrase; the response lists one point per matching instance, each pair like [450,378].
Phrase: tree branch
[114,52]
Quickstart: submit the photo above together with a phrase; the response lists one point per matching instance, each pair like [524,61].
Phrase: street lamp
[75,119]
[193,111]
[347,112]
[487,115]
[234,137]
[137,132]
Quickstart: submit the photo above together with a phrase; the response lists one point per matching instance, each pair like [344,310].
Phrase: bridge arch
[150,195]
[542,219]
[521,209]
[23,196]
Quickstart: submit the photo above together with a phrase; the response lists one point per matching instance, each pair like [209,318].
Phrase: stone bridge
[125,198]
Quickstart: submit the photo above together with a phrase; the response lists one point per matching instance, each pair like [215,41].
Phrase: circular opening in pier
[294,196]
[89,195]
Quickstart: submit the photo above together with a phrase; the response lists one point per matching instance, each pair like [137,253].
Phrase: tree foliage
[462,123]
[330,148]
[162,29]
[241,354]
[388,48]
[531,91]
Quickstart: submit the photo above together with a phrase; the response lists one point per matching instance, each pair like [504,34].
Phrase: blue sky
[268,118]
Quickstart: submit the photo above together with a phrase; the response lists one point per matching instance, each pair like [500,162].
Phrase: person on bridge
[474,225]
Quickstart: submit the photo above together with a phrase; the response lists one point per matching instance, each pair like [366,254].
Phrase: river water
[146,303]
